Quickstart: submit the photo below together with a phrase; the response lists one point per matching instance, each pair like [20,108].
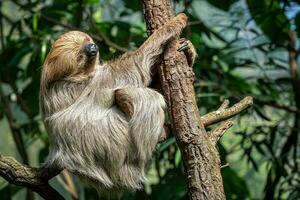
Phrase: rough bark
[35,179]
[200,156]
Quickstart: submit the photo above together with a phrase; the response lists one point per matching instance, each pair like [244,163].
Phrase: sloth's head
[73,55]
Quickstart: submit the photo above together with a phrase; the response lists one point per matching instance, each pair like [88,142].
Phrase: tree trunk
[200,156]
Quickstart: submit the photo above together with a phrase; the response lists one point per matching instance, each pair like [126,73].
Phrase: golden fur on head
[67,59]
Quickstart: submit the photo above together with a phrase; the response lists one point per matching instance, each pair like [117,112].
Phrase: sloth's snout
[91,50]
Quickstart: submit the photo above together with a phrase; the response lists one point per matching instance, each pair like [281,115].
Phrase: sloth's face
[86,55]
[73,55]
[76,49]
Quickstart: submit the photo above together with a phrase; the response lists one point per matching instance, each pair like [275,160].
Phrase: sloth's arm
[135,67]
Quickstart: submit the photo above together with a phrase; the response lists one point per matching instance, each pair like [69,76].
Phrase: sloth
[103,120]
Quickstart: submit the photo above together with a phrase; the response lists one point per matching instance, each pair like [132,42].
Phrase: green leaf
[266,11]
[235,187]
[134,5]
[91,2]
[177,157]
[222,4]
[297,23]
[171,187]
[166,144]
[10,190]
[35,22]
[5,193]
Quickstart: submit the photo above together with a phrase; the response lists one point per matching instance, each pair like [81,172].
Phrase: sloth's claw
[182,40]
[184,45]
[189,50]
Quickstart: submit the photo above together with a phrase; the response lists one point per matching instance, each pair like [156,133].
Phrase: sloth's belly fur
[97,145]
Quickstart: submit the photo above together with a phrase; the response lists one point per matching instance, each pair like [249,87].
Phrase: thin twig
[292,109]
[219,131]
[226,165]
[223,114]
[224,105]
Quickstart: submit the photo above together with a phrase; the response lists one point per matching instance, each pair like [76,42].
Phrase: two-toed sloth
[102,119]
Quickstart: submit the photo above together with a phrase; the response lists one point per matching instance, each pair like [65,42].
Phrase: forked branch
[224,113]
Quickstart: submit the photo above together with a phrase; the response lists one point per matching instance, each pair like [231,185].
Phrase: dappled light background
[245,48]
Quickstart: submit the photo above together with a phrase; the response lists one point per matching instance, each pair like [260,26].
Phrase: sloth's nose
[91,49]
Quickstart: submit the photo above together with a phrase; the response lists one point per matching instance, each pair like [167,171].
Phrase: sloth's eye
[79,57]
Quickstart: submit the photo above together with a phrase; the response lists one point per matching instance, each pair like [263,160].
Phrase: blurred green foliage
[243,49]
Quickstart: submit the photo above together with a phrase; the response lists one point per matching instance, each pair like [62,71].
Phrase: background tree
[244,47]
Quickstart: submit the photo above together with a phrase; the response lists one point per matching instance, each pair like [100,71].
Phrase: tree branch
[224,113]
[35,179]
[219,115]
[219,131]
